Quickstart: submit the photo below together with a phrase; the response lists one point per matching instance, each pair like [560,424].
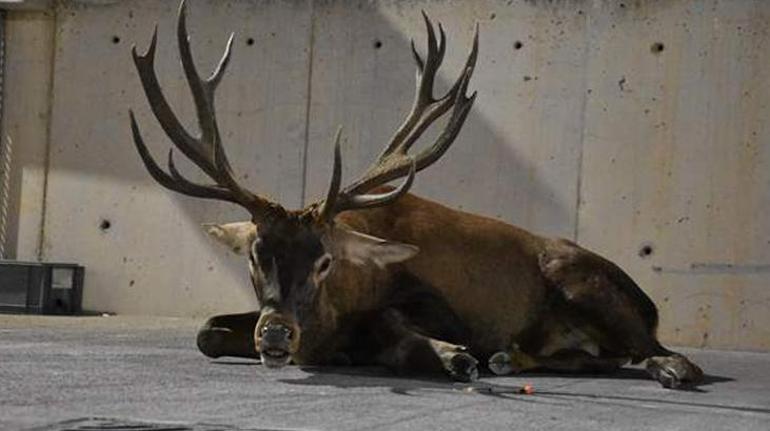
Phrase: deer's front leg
[229,335]
[407,351]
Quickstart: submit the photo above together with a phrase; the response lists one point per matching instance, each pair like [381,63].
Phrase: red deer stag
[373,275]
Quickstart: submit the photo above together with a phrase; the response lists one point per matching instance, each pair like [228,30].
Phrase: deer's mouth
[274,358]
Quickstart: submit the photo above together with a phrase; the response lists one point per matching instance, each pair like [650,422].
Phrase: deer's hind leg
[621,332]
[229,335]
[566,360]
[555,346]
[597,296]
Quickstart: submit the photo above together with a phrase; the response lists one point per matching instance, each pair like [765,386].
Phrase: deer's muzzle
[277,339]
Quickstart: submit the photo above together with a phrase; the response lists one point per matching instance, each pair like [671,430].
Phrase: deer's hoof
[463,367]
[500,364]
[674,372]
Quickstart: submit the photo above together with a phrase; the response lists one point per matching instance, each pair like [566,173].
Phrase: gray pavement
[55,369]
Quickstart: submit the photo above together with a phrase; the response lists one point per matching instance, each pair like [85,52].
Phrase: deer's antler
[206,150]
[395,162]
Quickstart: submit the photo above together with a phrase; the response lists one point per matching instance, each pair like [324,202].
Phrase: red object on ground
[527,389]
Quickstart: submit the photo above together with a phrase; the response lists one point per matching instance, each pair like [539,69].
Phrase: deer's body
[376,276]
[487,286]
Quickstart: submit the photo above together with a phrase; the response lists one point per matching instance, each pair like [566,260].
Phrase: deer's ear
[238,237]
[360,248]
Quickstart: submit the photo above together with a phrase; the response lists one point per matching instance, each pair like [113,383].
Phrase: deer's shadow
[558,391]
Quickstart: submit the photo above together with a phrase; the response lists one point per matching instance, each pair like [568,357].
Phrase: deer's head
[292,252]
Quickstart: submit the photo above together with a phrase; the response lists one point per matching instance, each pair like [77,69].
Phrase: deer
[374,275]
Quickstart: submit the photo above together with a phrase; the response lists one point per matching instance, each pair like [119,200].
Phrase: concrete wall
[634,127]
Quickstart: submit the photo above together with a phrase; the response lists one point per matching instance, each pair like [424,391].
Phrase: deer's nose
[276,334]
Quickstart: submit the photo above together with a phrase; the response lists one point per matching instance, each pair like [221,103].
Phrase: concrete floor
[55,369]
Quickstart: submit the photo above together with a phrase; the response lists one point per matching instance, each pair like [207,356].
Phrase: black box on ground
[41,287]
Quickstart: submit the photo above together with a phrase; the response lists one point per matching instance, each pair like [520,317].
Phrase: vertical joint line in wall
[308,100]
[5,150]
[583,126]
[48,125]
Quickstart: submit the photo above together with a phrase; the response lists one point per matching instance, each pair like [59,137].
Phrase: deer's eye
[323,266]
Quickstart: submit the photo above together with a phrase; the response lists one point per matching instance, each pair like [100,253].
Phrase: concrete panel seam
[583,129]
[6,154]
[308,101]
[5,150]
[48,126]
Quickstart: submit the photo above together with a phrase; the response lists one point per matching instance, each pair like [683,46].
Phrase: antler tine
[209,144]
[205,151]
[456,99]
[353,201]
[145,66]
[336,202]
[171,182]
[426,75]
[461,104]
[327,208]
[394,162]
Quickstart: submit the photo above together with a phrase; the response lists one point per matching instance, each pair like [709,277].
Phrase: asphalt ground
[143,373]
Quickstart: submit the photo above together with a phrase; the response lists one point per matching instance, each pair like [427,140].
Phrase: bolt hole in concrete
[646,250]
[105,225]
[517,45]
[377,44]
[657,47]
[250,41]
[115,39]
